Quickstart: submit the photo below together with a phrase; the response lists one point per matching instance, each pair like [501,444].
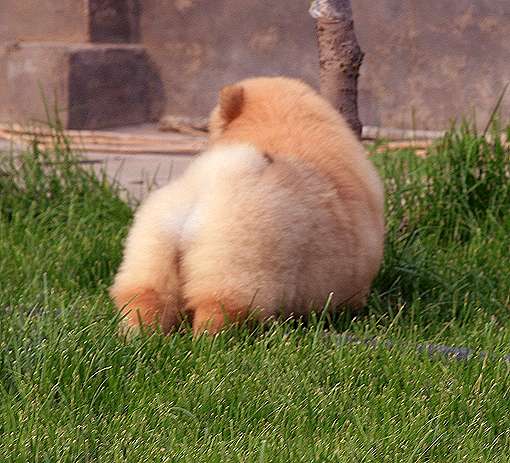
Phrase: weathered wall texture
[432,61]
[31,21]
[82,57]
[71,21]
[26,95]
[114,21]
[425,62]
[202,45]
[43,20]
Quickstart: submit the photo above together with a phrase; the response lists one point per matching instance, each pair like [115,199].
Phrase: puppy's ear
[231,103]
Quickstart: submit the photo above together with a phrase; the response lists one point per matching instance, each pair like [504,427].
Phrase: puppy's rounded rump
[279,237]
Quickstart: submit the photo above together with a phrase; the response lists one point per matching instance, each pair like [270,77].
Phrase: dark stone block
[114,21]
[89,86]
[111,87]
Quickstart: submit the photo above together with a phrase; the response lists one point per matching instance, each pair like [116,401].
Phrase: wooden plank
[105,144]
[99,141]
[388,133]
[97,136]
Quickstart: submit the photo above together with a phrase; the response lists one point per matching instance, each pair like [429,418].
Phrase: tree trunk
[340,57]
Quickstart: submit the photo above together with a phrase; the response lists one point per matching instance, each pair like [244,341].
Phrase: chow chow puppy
[283,212]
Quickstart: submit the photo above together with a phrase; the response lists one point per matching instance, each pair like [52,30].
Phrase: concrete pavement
[137,173]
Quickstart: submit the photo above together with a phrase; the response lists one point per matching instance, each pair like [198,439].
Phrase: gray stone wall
[432,61]
[426,62]
[43,20]
[80,57]
[201,45]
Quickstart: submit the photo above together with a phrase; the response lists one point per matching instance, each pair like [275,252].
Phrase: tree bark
[340,57]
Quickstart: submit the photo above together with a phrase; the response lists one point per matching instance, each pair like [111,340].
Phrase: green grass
[71,390]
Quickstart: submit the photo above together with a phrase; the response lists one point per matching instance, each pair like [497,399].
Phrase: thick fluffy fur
[283,211]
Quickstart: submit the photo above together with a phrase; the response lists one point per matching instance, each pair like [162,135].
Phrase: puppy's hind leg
[139,306]
[212,316]
[147,287]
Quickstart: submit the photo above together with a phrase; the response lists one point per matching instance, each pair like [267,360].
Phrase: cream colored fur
[283,210]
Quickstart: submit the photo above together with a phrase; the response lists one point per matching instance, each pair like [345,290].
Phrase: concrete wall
[432,60]
[425,62]
[82,57]
[43,20]
[70,21]
[201,45]
[36,75]
[32,21]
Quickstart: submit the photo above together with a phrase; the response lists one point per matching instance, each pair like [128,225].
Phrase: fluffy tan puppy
[283,211]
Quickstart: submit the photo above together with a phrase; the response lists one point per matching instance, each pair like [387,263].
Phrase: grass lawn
[72,391]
